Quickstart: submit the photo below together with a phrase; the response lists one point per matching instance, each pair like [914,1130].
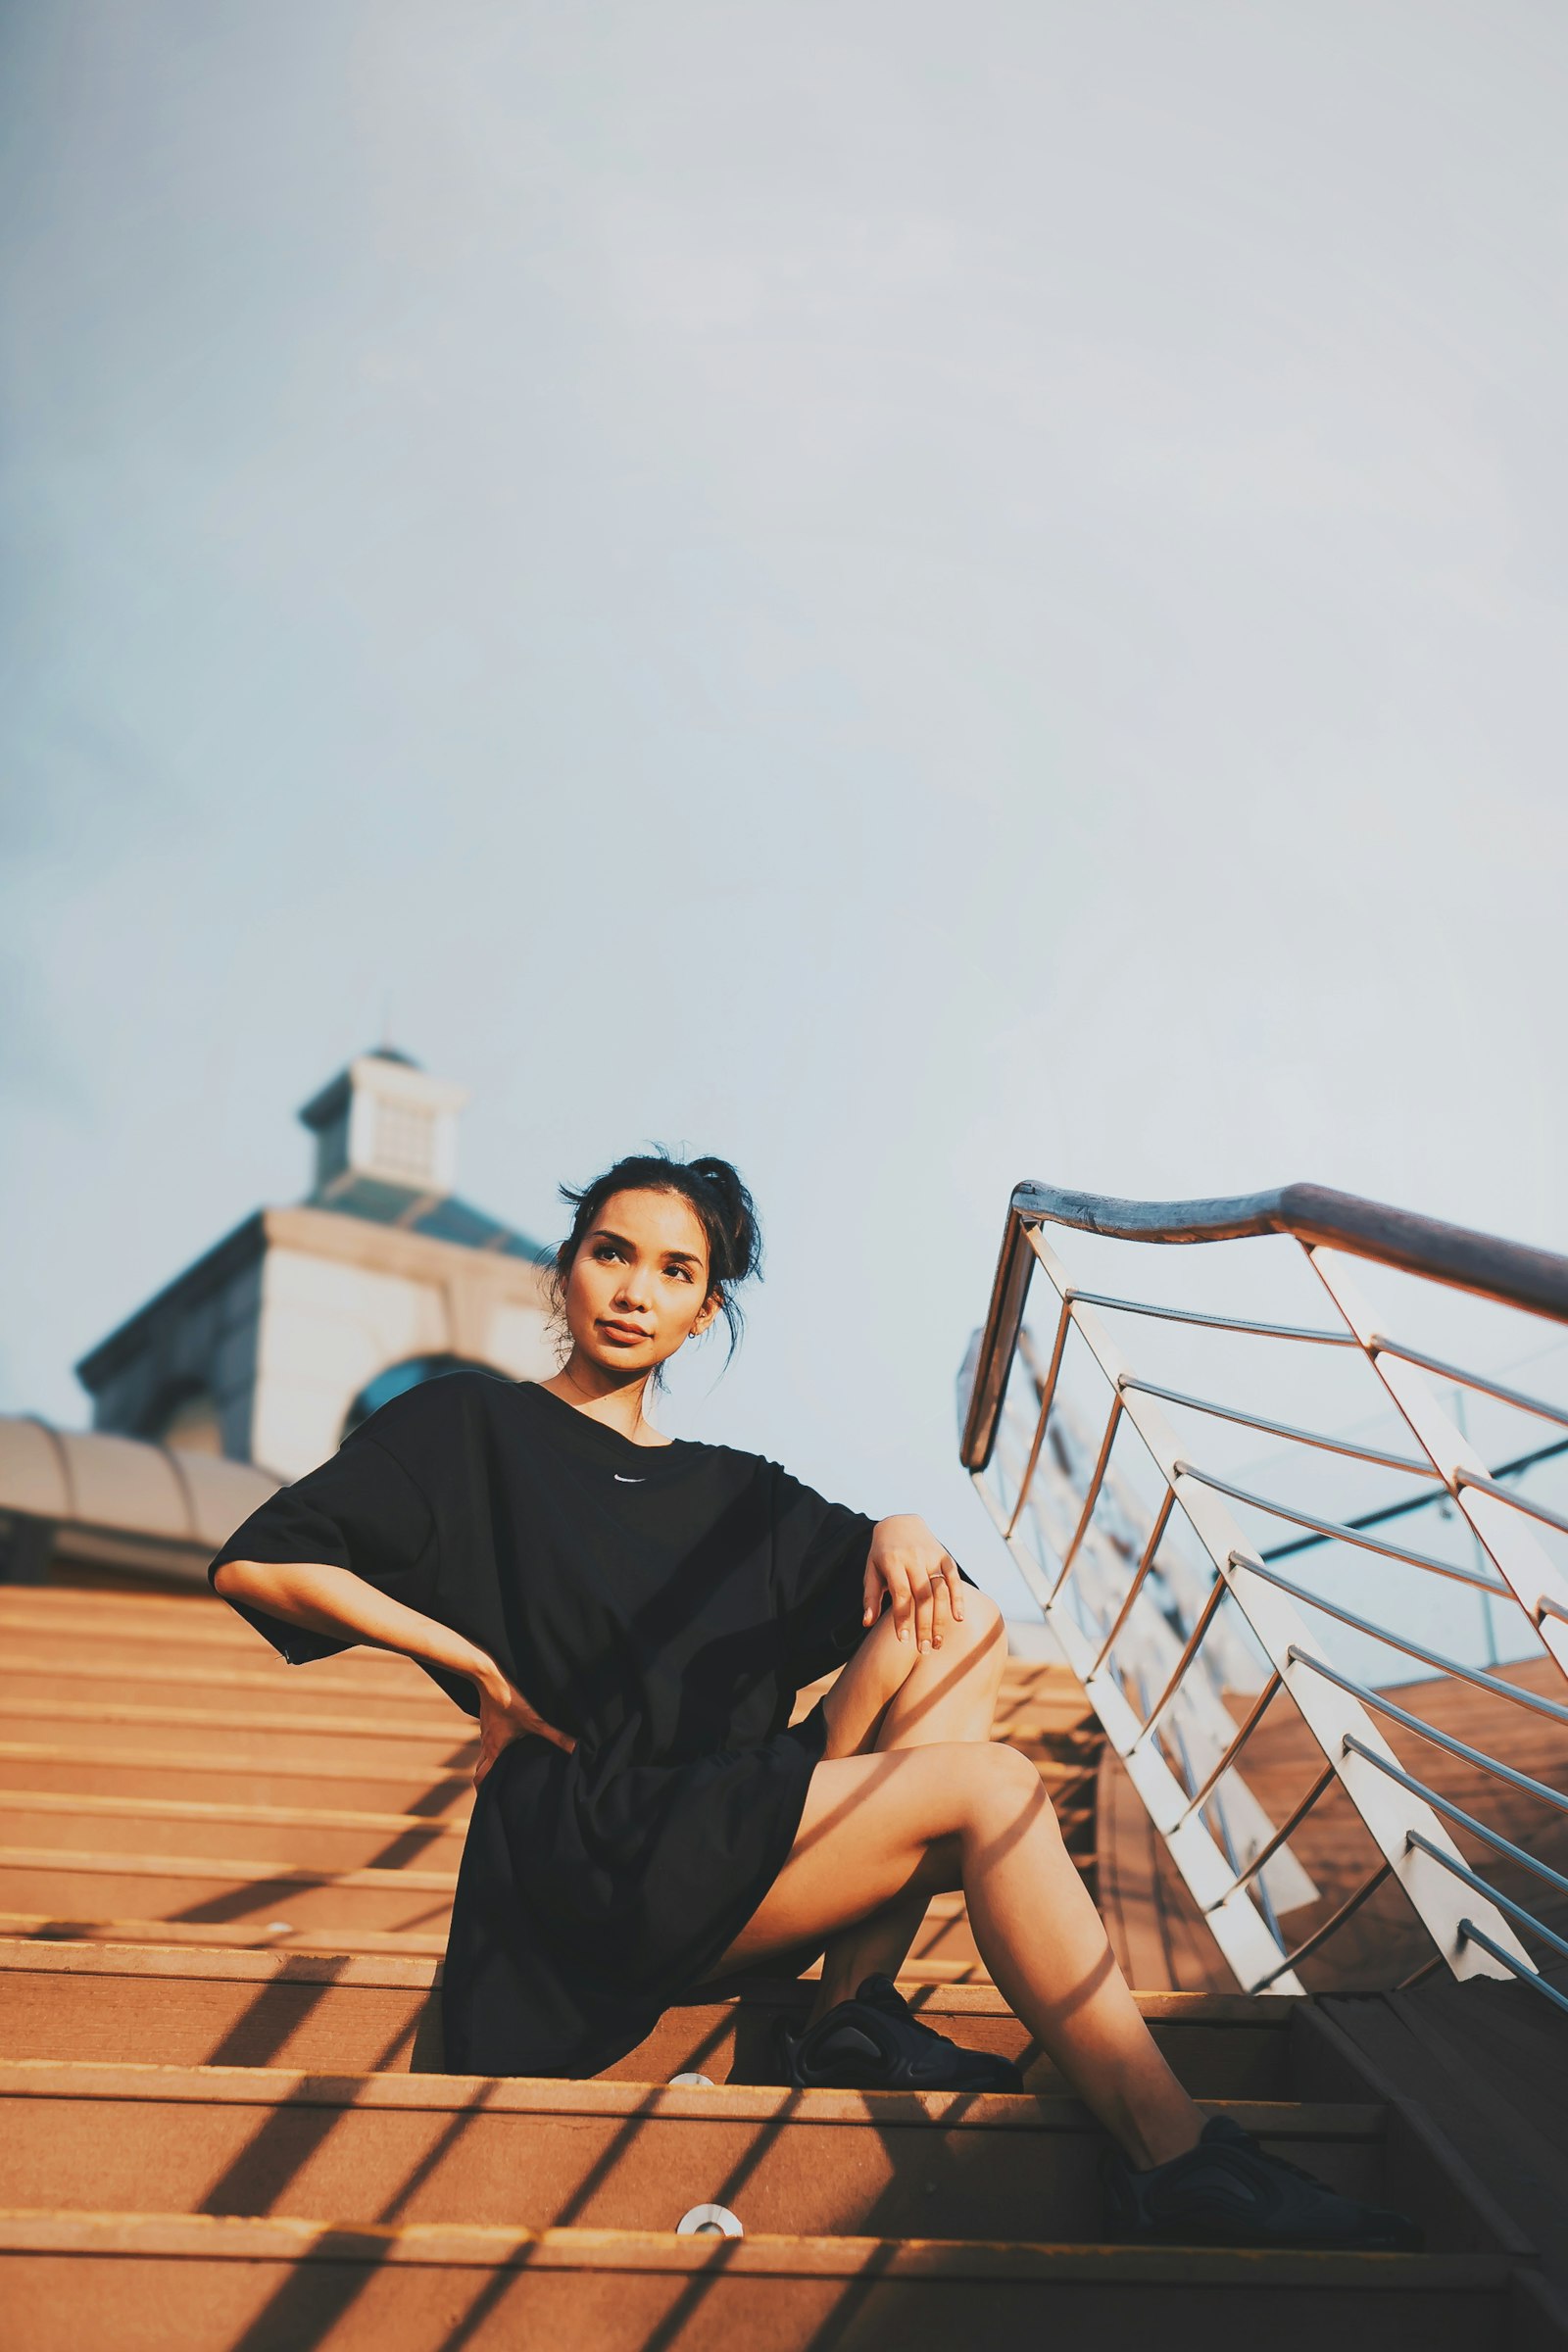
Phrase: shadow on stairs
[224,2125]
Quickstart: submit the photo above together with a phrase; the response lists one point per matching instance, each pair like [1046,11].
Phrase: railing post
[1009,1294]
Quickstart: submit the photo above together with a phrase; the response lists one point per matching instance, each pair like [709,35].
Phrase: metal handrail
[1466,1821]
[1343,1531]
[1109,1576]
[1422,1502]
[1313,1214]
[1454,1668]
[1462,1379]
[1285,1429]
[1190,1314]
[1515,1503]
[1382,1705]
[1330,1927]
[1474,1934]
[1227,1756]
[1479,1885]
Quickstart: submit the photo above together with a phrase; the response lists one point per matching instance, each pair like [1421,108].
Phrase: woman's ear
[706,1313]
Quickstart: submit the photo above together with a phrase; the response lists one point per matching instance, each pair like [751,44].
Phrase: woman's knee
[882,1663]
[981,1631]
[1001,1784]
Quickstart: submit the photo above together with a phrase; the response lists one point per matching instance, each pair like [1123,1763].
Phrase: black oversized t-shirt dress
[664,1605]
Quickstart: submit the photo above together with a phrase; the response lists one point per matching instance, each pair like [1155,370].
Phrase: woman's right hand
[505,1715]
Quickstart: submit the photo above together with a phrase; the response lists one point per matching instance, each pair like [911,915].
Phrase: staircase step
[276,2285]
[71,1602]
[252,1932]
[290,1838]
[409,1885]
[946,1934]
[266,1682]
[596,2155]
[226,1897]
[113,2002]
[106,1769]
[125,1634]
[246,1936]
[70,1605]
[225,1889]
[934,1970]
[314,1837]
[106,2003]
[254,1735]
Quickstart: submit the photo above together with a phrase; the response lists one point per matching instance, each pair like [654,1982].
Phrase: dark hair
[720,1201]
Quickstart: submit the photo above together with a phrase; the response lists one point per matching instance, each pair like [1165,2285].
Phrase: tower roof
[386,1149]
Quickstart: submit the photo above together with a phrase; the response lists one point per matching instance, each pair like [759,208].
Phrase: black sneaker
[1227,2191]
[877,2042]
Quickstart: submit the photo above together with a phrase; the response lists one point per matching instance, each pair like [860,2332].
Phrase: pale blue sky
[914,594]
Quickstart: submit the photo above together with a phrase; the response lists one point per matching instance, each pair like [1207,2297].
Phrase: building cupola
[385,1118]
[299,1323]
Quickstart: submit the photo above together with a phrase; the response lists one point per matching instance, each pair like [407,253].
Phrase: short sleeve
[819,1553]
[360,1510]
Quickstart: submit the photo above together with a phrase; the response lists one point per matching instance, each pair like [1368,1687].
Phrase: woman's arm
[334,1600]
[919,1576]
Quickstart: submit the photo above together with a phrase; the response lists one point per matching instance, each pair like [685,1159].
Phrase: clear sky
[917,596]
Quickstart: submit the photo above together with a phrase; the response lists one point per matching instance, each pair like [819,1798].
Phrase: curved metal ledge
[1510,1272]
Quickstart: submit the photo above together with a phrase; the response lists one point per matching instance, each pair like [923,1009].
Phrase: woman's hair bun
[744,1254]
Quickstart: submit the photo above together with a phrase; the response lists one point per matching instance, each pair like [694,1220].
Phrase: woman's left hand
[505,1715]
[919,1576]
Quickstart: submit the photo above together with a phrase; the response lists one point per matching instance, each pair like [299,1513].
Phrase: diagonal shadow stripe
[272,2018]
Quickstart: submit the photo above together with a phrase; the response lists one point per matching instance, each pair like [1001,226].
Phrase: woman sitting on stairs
[630,1617]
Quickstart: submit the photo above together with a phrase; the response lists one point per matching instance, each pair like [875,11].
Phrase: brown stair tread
[610,2154]
[241,2236]
[396,1786]
[109,2003]
[177,1893]
[250,1928]
[52,1803]
[30,1956]
[258,1672]
[400,1892]
[189,1634]
[241,1935]
[480,2097]
[247,1927]
[221,1725]
[276,2285]
[264,1839]
[80,1884]
[73,1859]
[224,2059]
[185,1824]
[1269,2011]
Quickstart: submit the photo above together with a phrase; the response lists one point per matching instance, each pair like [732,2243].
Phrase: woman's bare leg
[892,1697]
[899,1823]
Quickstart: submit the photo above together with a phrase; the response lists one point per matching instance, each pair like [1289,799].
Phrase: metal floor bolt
[709,2220]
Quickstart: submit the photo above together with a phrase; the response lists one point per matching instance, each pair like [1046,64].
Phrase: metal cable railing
[1185,1634]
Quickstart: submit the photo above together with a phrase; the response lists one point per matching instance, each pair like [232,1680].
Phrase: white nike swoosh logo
[623,1481]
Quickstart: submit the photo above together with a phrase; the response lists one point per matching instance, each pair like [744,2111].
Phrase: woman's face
[638,1286]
